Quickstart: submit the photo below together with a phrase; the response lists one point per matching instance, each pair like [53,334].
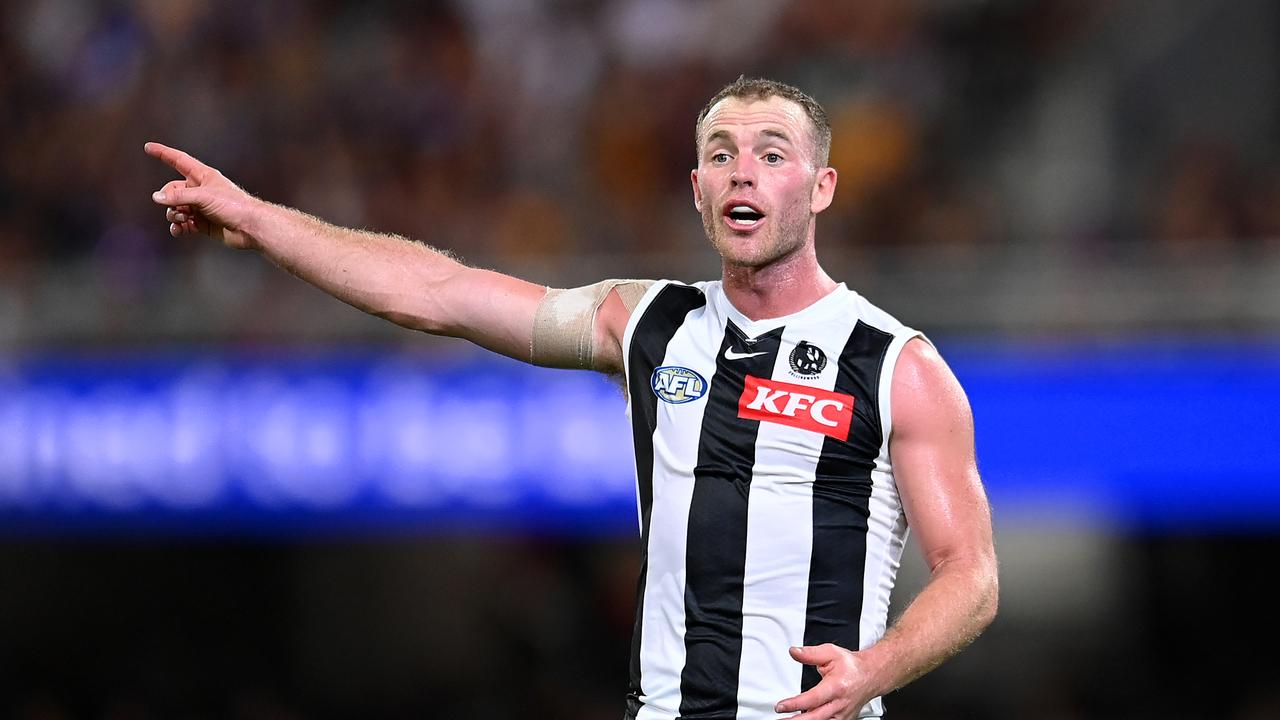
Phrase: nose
[744,172]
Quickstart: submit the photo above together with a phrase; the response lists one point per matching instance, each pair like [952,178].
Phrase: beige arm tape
[564,324]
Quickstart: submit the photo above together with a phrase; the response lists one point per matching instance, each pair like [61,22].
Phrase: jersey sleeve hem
[632,322]
[901,337]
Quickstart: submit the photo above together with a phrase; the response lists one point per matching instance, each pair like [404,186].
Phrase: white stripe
[675,453]
[886,526]
[780,537]
[632,321]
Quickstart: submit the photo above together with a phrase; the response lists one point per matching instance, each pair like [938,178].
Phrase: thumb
[176,193]
[812,654]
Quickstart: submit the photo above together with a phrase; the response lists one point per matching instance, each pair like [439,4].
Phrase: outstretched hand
[204,201]
[841,693]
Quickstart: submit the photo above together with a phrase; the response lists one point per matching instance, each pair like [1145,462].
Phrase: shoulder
[871,314]
[665,296]
[926,395]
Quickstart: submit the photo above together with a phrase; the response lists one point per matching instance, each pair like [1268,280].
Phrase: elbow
[411,321]
[412,312]
[990,607]
[988,591]
[975,577]
[416,301]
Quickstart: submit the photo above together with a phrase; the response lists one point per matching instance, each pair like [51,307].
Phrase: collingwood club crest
[807,360]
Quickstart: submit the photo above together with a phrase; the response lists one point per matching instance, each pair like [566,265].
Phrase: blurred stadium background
[224,495]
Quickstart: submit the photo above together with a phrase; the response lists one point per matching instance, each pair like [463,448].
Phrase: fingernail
[158,196]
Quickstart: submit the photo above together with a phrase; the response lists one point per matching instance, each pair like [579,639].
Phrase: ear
[824,188]
[697,191]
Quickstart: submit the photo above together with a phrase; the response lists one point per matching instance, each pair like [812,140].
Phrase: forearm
[955,606]
[385,275]
[394,278]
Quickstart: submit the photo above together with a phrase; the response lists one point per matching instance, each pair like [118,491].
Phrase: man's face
[756,184]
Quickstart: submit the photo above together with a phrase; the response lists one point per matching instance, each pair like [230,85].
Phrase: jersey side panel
[656,321]
[887,524]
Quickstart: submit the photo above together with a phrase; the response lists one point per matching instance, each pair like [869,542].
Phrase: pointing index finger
[190,167]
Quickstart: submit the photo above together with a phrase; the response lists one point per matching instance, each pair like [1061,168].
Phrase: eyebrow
[717,135]
[776,134]
[724,135]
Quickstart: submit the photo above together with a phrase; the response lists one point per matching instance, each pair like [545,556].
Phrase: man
[787,431]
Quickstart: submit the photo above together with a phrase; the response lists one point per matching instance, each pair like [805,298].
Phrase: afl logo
[807,360]
[676,385]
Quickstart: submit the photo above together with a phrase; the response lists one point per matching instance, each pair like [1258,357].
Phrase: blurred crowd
[1017,164]
[528,134]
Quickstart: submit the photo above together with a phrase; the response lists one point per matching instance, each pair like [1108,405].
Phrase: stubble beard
[785,233]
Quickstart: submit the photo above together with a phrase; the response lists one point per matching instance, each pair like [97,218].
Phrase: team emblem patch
[807,360]
[676,385]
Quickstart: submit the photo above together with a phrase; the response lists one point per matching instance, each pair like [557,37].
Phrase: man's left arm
[932,451]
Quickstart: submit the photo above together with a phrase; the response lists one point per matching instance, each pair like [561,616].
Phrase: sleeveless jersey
[768,510]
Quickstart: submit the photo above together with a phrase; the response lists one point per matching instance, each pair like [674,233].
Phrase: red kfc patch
[798,406]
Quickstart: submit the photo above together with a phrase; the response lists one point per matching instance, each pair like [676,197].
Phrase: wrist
[878,667]
[255,221]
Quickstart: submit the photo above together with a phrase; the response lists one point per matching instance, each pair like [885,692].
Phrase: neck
[785,286]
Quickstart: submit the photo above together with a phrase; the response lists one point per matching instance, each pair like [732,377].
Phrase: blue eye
[720,157]
[773,158]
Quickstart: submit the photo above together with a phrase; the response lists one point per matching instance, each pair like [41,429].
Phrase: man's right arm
[406,282]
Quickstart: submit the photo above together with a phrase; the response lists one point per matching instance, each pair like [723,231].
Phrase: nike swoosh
[729,354]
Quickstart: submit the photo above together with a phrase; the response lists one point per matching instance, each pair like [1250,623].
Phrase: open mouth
[743,216]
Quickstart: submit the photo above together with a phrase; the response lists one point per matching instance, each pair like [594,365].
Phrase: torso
[768,508]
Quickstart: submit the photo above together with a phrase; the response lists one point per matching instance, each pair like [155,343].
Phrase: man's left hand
[843,690]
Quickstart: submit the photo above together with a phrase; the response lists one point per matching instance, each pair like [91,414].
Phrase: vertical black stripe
[717,542]
[841,494]
[649,340]
[664,316]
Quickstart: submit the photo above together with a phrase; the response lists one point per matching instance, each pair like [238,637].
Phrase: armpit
[564,324]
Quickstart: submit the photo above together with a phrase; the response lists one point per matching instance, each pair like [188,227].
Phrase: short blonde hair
[746,88]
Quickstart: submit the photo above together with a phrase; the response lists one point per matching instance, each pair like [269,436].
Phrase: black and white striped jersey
[768,509]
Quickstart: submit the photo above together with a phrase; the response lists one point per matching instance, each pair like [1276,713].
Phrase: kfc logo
[798,406]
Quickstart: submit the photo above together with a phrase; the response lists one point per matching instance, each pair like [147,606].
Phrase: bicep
[932,448]
[577,328]
[580,328]
[492,310]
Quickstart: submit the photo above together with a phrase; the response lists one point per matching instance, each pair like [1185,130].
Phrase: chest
[780,406]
